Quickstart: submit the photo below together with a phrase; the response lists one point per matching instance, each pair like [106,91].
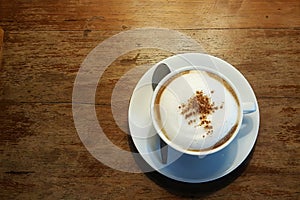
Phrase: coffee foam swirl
[187,132]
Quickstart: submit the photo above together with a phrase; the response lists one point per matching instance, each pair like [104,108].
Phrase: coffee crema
[197,110]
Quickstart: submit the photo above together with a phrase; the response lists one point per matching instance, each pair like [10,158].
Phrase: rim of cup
[177,147]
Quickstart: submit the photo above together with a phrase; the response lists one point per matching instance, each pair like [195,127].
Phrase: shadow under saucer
[184,188]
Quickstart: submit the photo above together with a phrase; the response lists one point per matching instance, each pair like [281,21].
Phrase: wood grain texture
[268,59]
[44,44]
[1,44]
[117,14]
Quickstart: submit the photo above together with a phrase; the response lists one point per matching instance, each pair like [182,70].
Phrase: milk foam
[177,128]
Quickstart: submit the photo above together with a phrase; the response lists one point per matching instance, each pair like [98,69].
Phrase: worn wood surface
[45,43]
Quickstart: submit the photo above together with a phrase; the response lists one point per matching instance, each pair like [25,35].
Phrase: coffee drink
[196,110]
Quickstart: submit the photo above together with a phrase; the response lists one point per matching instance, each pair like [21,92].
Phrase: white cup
[197,110]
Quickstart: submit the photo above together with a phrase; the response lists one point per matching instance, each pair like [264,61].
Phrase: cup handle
[249,107]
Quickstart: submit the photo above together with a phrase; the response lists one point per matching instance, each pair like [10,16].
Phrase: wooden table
[45,43]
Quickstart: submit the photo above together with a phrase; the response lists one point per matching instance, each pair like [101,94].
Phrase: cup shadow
[189,189]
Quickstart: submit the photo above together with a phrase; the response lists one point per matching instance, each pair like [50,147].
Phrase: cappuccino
[196,110]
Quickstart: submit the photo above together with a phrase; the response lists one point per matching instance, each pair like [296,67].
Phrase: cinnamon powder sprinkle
[199,106]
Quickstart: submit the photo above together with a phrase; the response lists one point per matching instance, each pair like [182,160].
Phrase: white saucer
[182,167]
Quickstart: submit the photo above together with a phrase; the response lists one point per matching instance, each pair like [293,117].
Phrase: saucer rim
[249,92]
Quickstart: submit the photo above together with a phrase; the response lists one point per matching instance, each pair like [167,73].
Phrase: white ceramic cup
[197,110]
